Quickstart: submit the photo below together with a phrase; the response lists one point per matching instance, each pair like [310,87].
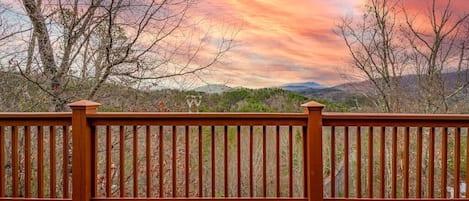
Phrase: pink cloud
[286,41]
[280,41]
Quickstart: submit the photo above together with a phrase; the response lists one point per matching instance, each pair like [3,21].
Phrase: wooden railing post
[82,145]
[313,156]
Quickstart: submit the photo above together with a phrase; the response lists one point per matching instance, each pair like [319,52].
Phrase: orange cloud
[285,41]
[280,41]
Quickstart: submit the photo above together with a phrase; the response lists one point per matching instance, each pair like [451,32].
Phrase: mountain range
[301,86]
[213,88]
[317,91]
[342,92]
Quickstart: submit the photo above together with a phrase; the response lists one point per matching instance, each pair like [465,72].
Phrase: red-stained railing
[407,156]
[232,156]
[190,156]
[180,141]
[24,174]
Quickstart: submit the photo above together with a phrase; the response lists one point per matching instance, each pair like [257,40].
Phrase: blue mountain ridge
[302,86]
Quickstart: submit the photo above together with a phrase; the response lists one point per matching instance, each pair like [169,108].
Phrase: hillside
[235,100]
[451,81]
[350,98]
[354,94]
[20,95]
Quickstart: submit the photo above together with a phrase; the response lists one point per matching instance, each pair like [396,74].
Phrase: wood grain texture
[82,161]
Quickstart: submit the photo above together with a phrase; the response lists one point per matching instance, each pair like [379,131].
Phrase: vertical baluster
[370,162]
[394,163]
[467,162]
[201,183]
[346,162]
[457,161]
[14,161]
[251,182]
[264,162]
[290,161]
[431,165]
[40,162]
[27,161]
[238,129]
[419,162]
[382,162]
[213,159]
[406,162]
[66,131]
[187,160]
[135,159]
[305,156]
[444,161]
[108,161]
[225,159]
[52,175]
[2,162]
[94,160]
[277,140]
[174,168]
[121,161]
[148,158]
[359,163]
[333,161]
[161,160]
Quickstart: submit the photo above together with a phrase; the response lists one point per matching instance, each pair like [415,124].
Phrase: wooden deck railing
[388,150]
[181,139]
[231,156]
[20,169]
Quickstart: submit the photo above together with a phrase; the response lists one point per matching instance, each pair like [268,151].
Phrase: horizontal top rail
[40,115]
[196,115]
[209,119]
[181,118]
[35,118]
[386,119]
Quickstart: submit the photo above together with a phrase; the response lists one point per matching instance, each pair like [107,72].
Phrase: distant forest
[24,96]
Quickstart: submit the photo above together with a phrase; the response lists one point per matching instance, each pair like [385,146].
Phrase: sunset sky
[285,41]
[281,41]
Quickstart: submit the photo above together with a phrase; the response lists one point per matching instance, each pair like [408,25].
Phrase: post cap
[312,104]
[84,103]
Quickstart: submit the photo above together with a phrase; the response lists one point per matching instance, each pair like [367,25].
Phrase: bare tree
[377,52]
[385,47]
[76,47]
[435,50]
[390,47]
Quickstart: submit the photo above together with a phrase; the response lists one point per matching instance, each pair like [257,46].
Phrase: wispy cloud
[289,41]
[280,41]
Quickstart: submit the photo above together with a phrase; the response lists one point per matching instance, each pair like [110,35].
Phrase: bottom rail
[392,199]
[35,199]
[201,199]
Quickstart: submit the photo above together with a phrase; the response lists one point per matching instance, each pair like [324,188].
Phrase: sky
[286,41]
[280,41]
